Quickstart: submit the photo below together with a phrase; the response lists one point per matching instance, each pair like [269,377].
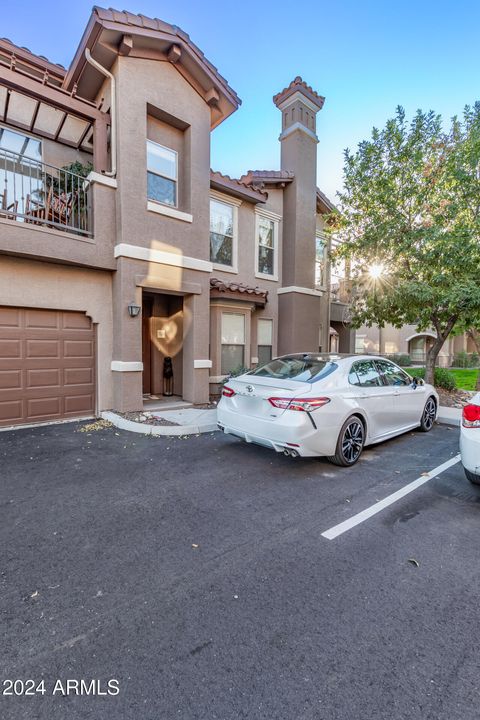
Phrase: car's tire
[428,415]
[350,442]
[475,479]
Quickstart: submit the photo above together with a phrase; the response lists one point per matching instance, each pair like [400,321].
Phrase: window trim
[321,235]
[234,204]
[165,177]
[275,219]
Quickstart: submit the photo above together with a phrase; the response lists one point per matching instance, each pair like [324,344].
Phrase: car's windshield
[301,369]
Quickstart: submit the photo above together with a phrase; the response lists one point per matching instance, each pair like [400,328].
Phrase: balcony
[36,193]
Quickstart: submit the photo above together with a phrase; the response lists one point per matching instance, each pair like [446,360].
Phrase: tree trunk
[431,360]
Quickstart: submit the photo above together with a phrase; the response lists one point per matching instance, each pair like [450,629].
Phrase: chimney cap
[299,85]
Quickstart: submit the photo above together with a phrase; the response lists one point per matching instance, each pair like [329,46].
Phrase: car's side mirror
[417,381]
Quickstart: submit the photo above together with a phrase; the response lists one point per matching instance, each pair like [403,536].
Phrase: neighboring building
[408,341]
[156,255]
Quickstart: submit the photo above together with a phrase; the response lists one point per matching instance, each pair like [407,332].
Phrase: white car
[470,439]
[311,404]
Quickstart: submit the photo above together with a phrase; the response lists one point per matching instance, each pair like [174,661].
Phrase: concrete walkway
[192,421]
[449,416]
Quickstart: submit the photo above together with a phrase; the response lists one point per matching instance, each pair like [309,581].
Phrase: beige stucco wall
[27,283]
[142,83]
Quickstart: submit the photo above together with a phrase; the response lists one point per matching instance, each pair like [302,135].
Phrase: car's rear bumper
[470,449]
[293,431]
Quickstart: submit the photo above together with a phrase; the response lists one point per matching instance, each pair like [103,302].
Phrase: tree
[409,225]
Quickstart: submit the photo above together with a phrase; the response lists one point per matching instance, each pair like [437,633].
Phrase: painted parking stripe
[360,517]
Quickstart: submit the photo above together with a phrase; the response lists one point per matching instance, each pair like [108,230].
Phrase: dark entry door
[147,344]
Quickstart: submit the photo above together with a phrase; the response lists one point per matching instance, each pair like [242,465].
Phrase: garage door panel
[10,349]
[43,407]
[77,348]
[78,404]
[9,317]
[48,319]
[10,380]
[38,349]
[11,412]
[78,376]
[75,321]
[46,377]
[47,365]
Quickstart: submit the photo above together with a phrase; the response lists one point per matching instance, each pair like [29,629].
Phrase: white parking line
[360,517]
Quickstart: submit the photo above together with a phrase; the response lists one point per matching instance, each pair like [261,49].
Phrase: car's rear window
[296,368]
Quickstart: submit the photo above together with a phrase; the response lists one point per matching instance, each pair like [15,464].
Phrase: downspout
[113,112]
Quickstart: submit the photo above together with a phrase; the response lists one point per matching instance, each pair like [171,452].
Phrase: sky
[364,57]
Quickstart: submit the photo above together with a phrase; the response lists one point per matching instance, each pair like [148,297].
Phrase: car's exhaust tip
[286,452]
[289,452]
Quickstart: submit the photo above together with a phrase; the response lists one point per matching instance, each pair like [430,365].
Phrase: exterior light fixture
[133,310]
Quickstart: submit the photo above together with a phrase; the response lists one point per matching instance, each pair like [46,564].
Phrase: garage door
[47,365]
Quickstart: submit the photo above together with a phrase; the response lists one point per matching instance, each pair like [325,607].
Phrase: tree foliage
[411,208]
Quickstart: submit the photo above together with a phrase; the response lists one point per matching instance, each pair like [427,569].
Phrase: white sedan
[470,439]
[312,404]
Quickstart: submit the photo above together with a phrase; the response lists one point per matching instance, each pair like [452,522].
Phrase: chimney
[299,105]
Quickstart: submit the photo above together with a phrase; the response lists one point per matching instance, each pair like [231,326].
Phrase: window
[392,374]
[21,175]
[233,342]
[299,368]
[265,340]
[321,248]
[162,174]
[360,343]
[365,374]
[222,240]
[266,246]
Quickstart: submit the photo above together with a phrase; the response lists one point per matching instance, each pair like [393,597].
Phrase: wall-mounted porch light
[133,310]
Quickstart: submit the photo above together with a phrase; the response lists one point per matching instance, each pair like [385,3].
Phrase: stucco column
[196,363]
[127,367]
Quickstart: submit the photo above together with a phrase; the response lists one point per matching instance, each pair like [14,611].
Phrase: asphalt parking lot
[195,573]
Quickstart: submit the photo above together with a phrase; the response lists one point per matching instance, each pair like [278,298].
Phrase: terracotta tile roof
[24,53]
[239,288]
[142,21]
[299,85]
[259,178]
[239,188]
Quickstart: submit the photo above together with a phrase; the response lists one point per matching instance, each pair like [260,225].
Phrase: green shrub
[443,378]
[401,359]
[463,359]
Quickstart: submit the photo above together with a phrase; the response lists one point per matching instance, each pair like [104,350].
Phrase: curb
[165,430]
[446,418]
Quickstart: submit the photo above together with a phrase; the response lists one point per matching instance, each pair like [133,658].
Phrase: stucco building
[120,247]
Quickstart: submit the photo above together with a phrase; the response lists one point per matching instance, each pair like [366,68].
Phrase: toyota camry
[327,405]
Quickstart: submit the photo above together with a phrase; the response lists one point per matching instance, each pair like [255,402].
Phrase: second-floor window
[222,234]
[162,174]
[266,246]
[320,260]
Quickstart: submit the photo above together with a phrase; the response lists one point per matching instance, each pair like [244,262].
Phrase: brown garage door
[47,363]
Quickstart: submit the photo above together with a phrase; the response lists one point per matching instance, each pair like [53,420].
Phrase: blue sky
[365,57]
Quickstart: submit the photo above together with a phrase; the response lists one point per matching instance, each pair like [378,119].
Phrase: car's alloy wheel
[350,443]
[429,414]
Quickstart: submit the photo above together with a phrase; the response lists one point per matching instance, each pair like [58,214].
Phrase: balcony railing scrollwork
[34,192]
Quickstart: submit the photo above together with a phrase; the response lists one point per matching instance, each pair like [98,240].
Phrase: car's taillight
[471,416]
[298,404]
[228,392]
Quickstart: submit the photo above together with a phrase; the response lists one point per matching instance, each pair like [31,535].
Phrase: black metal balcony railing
[42,194]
